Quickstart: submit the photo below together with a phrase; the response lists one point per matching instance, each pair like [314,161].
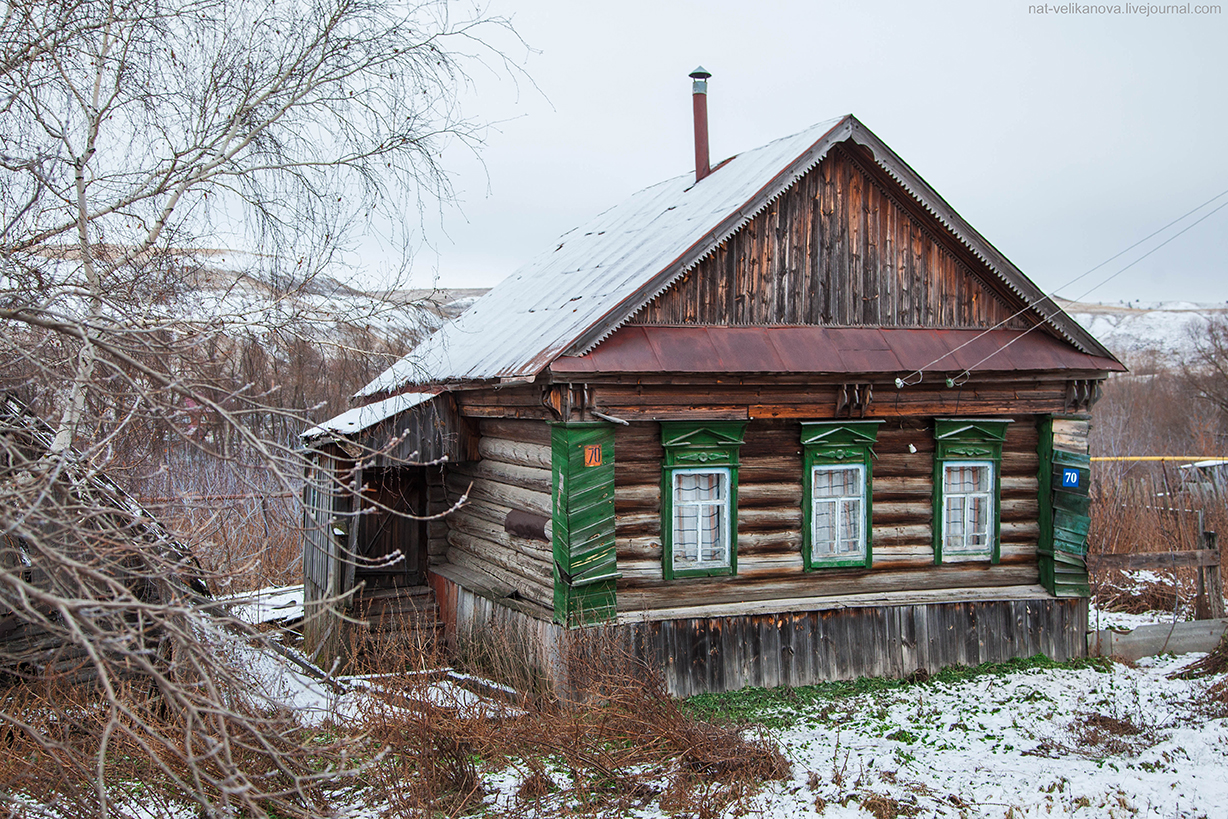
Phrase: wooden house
[784,420]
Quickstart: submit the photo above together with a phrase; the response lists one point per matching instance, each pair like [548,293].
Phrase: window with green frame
[968,488]
[699,497]
[836,506]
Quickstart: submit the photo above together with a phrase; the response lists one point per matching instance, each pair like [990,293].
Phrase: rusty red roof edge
[836,350]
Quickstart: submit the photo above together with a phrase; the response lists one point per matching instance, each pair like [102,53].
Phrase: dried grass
[1107,735]
[882,806]
[57,737]
[1216,662]
[614,743]
[1135,509]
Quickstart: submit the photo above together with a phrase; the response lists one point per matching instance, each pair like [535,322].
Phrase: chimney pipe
[699,99]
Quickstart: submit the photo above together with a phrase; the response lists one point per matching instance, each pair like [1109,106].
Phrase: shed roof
[571,297]
[359,419]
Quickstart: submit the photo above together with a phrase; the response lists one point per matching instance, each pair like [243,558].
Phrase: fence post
[1210,583]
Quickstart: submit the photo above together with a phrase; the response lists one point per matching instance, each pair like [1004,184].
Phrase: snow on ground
[1021,745]
[269,605]
[1088,742]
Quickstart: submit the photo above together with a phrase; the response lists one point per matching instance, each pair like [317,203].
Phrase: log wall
[770,519]
[843,246]
[513,473]
[676,396]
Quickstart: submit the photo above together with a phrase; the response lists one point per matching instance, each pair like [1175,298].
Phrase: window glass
[967,506]
[838,519]
[701,519]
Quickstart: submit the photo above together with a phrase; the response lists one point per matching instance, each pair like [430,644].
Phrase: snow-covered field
[1110,741]
[1162,331]
[1126,742]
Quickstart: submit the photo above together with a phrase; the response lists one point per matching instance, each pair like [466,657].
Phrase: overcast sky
[1063,138]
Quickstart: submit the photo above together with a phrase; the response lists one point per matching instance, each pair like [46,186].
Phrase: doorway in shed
[391,534]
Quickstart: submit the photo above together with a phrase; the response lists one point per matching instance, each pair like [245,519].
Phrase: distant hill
[1143,333]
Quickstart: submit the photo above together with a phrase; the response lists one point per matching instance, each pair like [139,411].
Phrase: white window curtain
[701,519]
[838,513]
[967,513]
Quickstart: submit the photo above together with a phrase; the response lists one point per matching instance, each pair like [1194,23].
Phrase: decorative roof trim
[897,169]
[705,247]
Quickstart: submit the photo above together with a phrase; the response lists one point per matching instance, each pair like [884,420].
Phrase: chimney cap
[700,73]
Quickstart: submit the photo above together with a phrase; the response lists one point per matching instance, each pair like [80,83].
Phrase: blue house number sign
[1070,478]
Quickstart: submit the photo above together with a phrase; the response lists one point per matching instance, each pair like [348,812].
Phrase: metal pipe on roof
[699,101]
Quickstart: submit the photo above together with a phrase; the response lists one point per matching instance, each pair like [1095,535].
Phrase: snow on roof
[535,314]
[1206,464]
[360,418]
[574,295]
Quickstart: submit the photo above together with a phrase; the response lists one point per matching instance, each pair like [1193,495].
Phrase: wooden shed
[71,534]
[789,421]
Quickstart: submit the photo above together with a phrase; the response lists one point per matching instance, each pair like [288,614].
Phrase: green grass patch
[781,707]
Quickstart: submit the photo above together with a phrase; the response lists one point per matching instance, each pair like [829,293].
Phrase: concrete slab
[1147,641]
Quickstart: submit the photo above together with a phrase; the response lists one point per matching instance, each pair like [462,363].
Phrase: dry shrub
[1214,700]
[1136,508]
[535,786]
[1109,735]
[883,806]
[1216,662]
[689,797]
[1116,591]
[422,741]
[629,696]
[57,737]
[609,741]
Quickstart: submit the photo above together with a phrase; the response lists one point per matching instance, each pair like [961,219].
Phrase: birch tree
[137,137]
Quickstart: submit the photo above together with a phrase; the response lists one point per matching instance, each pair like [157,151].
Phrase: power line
[1057,310]
[902,382]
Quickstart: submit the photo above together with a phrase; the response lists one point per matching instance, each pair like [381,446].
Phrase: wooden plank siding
[514,473]
[838,248]
[769,519]
[697,655]
[740,396]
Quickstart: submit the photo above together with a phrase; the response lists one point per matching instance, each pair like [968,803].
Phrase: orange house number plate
[592,455]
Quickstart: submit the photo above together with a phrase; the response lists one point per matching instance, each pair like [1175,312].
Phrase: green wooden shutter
[585,570]
[1064,482]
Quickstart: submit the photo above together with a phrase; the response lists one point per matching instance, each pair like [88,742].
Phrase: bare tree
[137,135]
[1207,369]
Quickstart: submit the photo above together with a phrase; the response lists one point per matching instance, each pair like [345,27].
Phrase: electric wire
[919,372]
[968,371]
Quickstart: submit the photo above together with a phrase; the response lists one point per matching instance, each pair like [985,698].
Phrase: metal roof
[834,350]
[570,298]
[361,418]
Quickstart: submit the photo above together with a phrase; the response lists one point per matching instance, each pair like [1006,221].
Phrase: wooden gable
[845,245]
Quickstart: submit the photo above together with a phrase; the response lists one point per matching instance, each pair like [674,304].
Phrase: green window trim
[968,442]
[835,444]
[700,447]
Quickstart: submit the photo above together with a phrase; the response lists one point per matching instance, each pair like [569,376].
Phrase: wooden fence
[1209,599]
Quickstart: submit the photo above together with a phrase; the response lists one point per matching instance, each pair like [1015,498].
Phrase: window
[701,519]
[838,516]
[699,497]
[967,514]
[836,490]
[967,488]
